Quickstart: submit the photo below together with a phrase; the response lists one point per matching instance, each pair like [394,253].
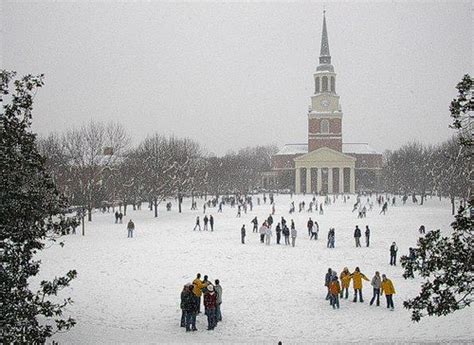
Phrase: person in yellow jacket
[198,285]
[345,277]
[389,290]
[357,277]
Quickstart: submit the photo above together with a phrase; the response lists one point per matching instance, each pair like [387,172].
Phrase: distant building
[325,164]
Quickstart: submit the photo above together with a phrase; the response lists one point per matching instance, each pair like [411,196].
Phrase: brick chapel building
[325,164]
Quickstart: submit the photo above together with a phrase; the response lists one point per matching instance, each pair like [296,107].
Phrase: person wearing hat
[210,303]
[334,289]
[389,290]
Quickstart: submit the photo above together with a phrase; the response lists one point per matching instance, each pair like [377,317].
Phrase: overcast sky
[231,75]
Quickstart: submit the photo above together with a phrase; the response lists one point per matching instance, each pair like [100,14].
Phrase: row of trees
[95,165]
[420,169]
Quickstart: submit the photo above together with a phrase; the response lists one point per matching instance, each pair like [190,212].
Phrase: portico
[325,171]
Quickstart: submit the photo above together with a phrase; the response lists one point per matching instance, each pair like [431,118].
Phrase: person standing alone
[367,235]
[130,228]
[393,254]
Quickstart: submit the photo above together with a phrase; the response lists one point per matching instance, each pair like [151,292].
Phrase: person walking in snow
[286,233]
[211,222]
[331,237]
[120,217]
[210,304]
[367,235]
[268,236]
[242,234]
[321,211]
[327,281]
[278,233]
[334,289]
[357,277]
[293,236]
[345,282]
[376,284]
[384,208]
[357,236]
[206,220]
[116,217]
[198,225]
[314,231]
[255,224]
[310,226]
[389,290]
[130,228]
[263,231]
[393,254]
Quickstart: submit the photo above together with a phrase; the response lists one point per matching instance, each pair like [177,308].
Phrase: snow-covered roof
[293,149]
[356,148]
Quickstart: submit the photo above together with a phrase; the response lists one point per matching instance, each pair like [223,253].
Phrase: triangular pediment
[325,155]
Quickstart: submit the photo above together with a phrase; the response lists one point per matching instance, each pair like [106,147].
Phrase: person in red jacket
[210,304]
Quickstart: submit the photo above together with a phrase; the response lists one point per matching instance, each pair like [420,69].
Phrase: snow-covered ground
[127,290]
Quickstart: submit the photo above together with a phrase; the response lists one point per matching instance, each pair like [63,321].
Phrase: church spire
[324,55]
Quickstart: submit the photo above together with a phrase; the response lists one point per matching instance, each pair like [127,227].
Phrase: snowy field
[127,290]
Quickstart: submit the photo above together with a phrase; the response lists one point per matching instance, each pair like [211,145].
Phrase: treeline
[95,166]
[441,170]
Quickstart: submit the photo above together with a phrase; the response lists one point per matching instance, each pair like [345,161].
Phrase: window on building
[325,83]
[325,126]
[333,84]
[317,85]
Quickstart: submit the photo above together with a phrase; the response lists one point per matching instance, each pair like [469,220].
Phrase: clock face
[325,103]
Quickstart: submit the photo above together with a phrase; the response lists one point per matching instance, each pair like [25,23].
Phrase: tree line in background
[96,166]
[441,170]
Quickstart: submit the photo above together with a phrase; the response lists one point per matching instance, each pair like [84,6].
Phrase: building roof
[355,148]
[359,148]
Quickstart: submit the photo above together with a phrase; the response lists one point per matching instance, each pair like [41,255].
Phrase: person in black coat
[367,235]
[393,254]
[357,235]
[310,226]
[278,233]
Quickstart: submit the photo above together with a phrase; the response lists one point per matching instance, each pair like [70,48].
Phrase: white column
[319,183]
[308,180]
[352,187]
[329,180]
[297,181]
[341,179]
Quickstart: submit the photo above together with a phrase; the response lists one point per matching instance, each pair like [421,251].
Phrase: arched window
[333,84]
[317,85]
[325,83]
[325,126]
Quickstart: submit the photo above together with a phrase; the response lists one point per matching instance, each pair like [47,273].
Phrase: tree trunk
[134,206]
[89,213]
[452,205]
[125,209]
[422,198]
[155,203]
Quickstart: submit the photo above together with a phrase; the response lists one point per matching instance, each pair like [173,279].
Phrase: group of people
[191,296]
[207,221]
[266,232]
[340,289]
